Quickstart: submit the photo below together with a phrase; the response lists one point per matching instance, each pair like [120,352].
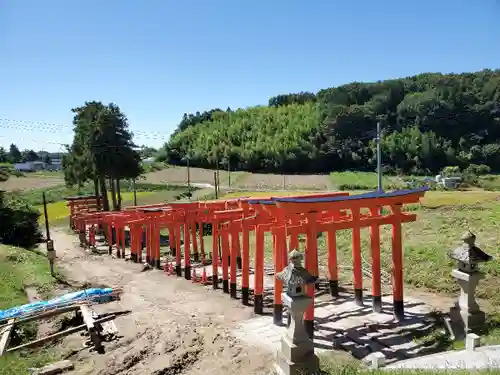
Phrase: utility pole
[379,158]
[135,192]
[189,179]
[51,254]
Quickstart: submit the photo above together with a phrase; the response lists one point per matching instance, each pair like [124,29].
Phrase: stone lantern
[466,314]
[296,355]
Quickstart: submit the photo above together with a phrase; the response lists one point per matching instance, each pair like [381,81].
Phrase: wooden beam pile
[94,324]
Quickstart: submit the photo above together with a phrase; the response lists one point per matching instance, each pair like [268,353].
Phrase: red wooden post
[149,241]
[333,277]
[110,236]
[157,245]
[311,264]
[122,233]
[258,304]
[233,256]
[397,266]
[140,243]
[215,253]
[356,257]
[280,252]
[118,234]
[245,285]
[225,256]
[133,242]
[202,241]
[375,256]
[187,249]
[178,267]
[196,257]
[92,235]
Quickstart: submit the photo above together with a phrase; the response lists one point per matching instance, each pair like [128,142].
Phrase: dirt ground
[176,327]
[30,182]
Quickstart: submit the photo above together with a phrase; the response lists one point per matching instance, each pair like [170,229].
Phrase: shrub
[478,170]
[19,223]
[4,174]
[451,171]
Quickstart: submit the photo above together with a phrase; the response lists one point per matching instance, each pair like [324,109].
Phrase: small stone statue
[295,276]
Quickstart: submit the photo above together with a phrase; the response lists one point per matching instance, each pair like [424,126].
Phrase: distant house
[30,166]
[55,165]
[34,166]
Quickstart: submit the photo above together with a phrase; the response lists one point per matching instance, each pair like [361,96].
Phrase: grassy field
[20,268]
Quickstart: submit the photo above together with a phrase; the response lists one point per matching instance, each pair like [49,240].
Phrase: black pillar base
[239,263]
[215,282]
[196,257]
[158,264]
[245,294]
[133,258]
[358,297]
[110,250]
[187,272]
[399,310]
[148,260]
[173,251]
[278,315]
[258,304]
[232,290]
[334,287]
[225,286]
[309,326]
[377,304]
[178,270]
[118,254]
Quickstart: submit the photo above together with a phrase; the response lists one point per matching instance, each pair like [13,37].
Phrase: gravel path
[176,327]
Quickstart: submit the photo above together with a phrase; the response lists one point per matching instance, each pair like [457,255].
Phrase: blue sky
[158,59]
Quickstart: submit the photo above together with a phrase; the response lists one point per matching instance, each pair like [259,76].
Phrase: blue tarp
[100,295]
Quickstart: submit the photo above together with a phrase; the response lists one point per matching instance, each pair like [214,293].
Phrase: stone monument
[466,316]
[296,356]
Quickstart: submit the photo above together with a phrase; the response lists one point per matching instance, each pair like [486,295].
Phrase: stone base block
[295,359]
[295,352]
[308,366]
[469,321]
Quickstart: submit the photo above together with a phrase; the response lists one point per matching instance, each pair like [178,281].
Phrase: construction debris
[80,302]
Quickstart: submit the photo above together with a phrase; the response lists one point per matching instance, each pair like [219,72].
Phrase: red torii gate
[371,202]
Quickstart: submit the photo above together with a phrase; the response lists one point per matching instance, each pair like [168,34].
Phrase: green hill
[430,121]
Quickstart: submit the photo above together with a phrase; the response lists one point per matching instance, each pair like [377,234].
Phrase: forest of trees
[429,121]
[102,151]
[14,155]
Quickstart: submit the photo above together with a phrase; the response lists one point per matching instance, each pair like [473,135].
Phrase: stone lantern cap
[294,276]
[468,253]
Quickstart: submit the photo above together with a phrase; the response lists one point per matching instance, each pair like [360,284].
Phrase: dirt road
[176,327]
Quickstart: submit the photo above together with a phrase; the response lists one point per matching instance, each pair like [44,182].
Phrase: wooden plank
[5,333]
[54,368]
[58,335]
[87,316]
[95,337]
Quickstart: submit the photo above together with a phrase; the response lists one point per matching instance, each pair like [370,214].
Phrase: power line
[13,123]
